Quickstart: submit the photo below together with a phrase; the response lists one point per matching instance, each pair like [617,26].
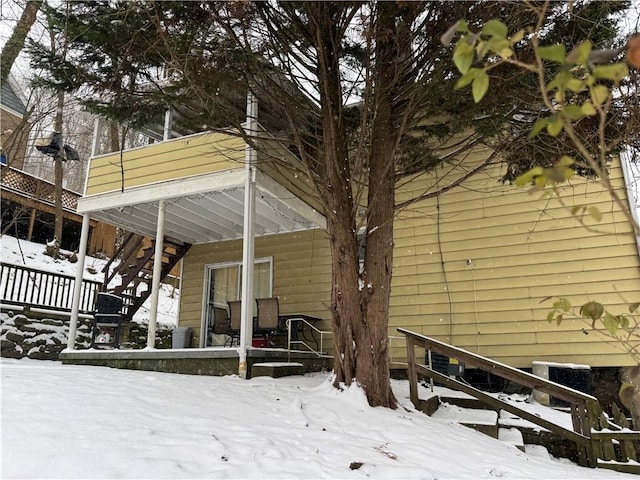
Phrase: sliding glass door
[223,283]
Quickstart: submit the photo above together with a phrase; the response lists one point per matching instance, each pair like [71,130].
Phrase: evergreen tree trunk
[58,176]
[16,41]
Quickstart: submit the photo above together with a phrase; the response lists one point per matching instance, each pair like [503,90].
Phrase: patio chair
[268,316]
[234,320]
[221,323]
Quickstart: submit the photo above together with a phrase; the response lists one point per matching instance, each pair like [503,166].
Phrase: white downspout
[625,160]
[157,271]
[77,288]
[248,239]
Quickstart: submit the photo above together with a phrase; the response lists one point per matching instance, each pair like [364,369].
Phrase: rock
[10,350]
[15,336]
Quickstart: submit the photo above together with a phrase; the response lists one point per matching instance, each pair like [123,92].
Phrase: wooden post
[412,373]
[32,221]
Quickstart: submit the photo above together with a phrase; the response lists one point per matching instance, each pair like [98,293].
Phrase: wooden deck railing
[596,437]
[32,288]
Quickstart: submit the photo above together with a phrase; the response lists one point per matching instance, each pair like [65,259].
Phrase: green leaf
[599,94]
[572,112]
[563,304]
[463,56]
[540,124]
[527,177]
[615,72]
[565,161]
[495,28]
[610,323]
[580,54]
[595,213]
[462,26]
[627,393]
[588,109]
[551,316]
[466,79]
[554,127]
[555,53]
[516,37]
[592,310]
[575,85]
[633,307]
[480,85]
[559,319]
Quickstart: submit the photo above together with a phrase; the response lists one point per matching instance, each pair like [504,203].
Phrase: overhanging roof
[204,208]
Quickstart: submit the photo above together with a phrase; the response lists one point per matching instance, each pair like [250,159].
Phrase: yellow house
[472,266]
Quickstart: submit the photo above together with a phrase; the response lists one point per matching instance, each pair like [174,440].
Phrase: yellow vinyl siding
[178,158]
[301,274]
[281,165]
[523,249]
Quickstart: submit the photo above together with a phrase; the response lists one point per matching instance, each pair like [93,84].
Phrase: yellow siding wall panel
[178,158]
[523,248]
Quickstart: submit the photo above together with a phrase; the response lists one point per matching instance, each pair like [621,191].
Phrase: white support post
[248,240]
[77,289]
[157,271]
[95,141]
[168,119]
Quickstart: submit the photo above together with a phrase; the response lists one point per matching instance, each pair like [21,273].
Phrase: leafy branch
[578,85]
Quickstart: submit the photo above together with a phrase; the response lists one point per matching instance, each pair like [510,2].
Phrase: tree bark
[58,175]
[16,41]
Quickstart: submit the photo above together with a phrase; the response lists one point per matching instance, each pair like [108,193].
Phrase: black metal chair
[107,321]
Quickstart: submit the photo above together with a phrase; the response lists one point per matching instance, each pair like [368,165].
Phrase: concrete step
[512,436]
[484,421]
[276,369]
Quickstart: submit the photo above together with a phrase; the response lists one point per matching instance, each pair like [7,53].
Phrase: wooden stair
[136,256]
[593,439]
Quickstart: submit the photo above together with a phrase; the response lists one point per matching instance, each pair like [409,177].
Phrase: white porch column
[248,237]
[168,119]
[157,271]
[77,289]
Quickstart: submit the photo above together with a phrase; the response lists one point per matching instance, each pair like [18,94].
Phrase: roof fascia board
[163,190]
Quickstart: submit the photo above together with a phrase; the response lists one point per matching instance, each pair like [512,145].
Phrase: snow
[31,255]
[95,422]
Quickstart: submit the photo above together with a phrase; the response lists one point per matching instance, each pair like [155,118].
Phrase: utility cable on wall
[444,270]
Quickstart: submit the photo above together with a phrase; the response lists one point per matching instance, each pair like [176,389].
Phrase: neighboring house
[28,201]
[14,128]
[472,266]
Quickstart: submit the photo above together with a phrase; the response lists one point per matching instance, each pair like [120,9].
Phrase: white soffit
[203,209]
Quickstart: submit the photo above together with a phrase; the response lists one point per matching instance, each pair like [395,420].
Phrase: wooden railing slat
[29,287]
[592,432]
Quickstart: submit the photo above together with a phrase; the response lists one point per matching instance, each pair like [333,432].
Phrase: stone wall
[44,339]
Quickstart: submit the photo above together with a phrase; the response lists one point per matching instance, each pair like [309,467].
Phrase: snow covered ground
[95,422]
[32,255]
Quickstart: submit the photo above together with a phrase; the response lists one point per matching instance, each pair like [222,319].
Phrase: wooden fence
[27,287]
[600,441]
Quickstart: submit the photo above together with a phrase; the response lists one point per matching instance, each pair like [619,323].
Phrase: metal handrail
[322,333]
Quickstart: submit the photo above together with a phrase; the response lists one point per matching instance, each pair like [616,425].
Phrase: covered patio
[223,198]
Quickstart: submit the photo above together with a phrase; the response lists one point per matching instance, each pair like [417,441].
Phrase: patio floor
[196,361]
